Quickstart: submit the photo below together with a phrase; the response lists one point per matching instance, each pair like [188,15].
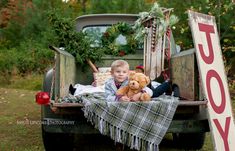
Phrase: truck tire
[57,141]
[189,140]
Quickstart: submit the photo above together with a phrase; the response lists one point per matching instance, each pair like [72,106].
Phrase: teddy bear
[136,83]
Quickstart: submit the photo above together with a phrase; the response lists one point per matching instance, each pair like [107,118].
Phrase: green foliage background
[24,47]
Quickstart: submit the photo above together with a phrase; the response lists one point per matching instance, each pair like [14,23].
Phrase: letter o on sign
[218,109]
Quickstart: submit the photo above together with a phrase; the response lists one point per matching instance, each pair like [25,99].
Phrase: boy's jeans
[164,87]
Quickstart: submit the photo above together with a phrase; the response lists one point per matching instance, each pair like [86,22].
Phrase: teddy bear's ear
[131,74]
[147,80]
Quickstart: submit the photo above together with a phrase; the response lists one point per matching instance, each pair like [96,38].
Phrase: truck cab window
[95,34]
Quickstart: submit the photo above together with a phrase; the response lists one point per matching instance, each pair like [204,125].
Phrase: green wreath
[111,34]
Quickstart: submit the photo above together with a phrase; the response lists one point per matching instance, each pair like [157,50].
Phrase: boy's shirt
[111,89]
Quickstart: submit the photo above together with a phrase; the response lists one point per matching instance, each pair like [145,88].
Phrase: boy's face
[137,70]
[120,74]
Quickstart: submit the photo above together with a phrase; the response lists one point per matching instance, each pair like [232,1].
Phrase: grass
[18,107]
[29,82]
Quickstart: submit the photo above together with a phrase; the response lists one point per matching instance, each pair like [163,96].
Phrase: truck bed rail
[181,103]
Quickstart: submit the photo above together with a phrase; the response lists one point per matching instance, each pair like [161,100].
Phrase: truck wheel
[57,141]
[189,140]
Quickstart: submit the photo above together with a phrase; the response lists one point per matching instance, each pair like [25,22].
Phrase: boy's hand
[124,98]
[136,97]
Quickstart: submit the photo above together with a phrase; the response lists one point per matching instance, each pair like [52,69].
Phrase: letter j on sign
[214,80]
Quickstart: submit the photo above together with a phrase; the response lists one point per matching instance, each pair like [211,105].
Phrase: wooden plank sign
[214,80]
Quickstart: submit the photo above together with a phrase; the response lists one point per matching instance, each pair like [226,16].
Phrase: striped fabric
[139,125]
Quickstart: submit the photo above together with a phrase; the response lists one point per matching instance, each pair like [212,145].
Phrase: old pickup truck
[64,125]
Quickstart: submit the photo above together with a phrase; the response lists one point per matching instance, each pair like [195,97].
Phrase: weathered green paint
[188,126]
[67,73]
[184,74]
[65,69]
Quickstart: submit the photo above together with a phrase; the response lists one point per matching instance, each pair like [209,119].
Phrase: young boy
[120,73]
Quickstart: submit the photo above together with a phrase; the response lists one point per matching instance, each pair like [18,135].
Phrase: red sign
[214,80]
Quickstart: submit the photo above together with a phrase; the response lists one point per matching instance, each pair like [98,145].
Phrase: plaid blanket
[139,125]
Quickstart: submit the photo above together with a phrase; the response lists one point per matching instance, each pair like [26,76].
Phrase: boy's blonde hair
[119,63]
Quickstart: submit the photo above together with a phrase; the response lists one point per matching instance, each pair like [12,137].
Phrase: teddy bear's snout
[134,85]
